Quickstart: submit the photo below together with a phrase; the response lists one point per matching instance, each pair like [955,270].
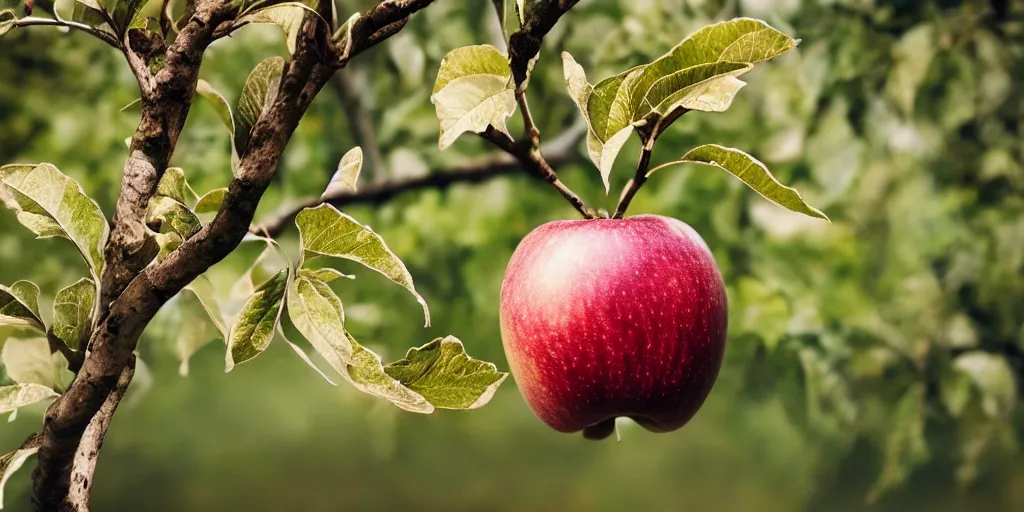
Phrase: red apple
[614,317]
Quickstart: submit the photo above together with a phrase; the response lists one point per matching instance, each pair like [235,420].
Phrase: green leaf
[473,90]
[72,313]
[446,376]
[259,91]
[29,361]
[210,202]
[326,275]
[287,15]
[905,447]
[175,186]
[254,328]
[318,314]
[912,56]
[89,12]
[750,171]
[124,12]
[19,395]
[602,152]
[11,463]
[19,306]
[717,54]
[326,231]
[737,41]
[167,242]
[204,292]
[52,204]
[367,374]
[193,335]
[166,214]
[8,17]
[707,87]
[218,102]
[344,179]
[482,59]
[993,378]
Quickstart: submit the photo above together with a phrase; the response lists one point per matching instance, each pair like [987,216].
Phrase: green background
[902,120]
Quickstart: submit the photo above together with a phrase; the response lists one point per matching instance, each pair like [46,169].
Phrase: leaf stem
[643,165]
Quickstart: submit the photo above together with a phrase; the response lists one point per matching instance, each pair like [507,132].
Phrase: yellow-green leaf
[344,179]
[446,376]
[29,361]
[750,171]
[19,306]
[218,102]
[259,90]
[254,328]
[326,231]
[175,186]
[11,463]
[473,90]
[19,395]
[166,214]
[72,313]
[52,204]
[210,202]
[287,15]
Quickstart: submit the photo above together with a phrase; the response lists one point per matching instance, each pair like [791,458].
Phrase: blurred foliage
[877,359]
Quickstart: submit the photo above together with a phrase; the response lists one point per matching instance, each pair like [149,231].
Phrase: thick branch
[165,105]
[74,414]
[559,150]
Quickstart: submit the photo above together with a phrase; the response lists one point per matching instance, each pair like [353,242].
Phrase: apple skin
[603,318]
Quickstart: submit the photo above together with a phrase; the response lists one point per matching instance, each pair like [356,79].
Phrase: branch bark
[132,290]
[559,150]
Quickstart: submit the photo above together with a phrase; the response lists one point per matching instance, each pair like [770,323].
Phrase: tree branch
[501,164]
[133,291]
[32,21]
[165,105]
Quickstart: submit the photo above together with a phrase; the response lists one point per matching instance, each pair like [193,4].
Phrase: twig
[535,163]
[33,21]
[530,128]
[560,150]
[642,166]
[523,48]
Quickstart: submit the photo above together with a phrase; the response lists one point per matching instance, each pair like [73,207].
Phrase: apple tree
[155,250]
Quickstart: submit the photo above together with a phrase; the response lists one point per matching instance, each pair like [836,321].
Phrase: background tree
[883,350]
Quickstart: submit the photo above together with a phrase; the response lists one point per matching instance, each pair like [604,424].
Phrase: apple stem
[648,137]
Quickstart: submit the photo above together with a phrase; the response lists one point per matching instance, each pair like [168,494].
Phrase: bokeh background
[873,364]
